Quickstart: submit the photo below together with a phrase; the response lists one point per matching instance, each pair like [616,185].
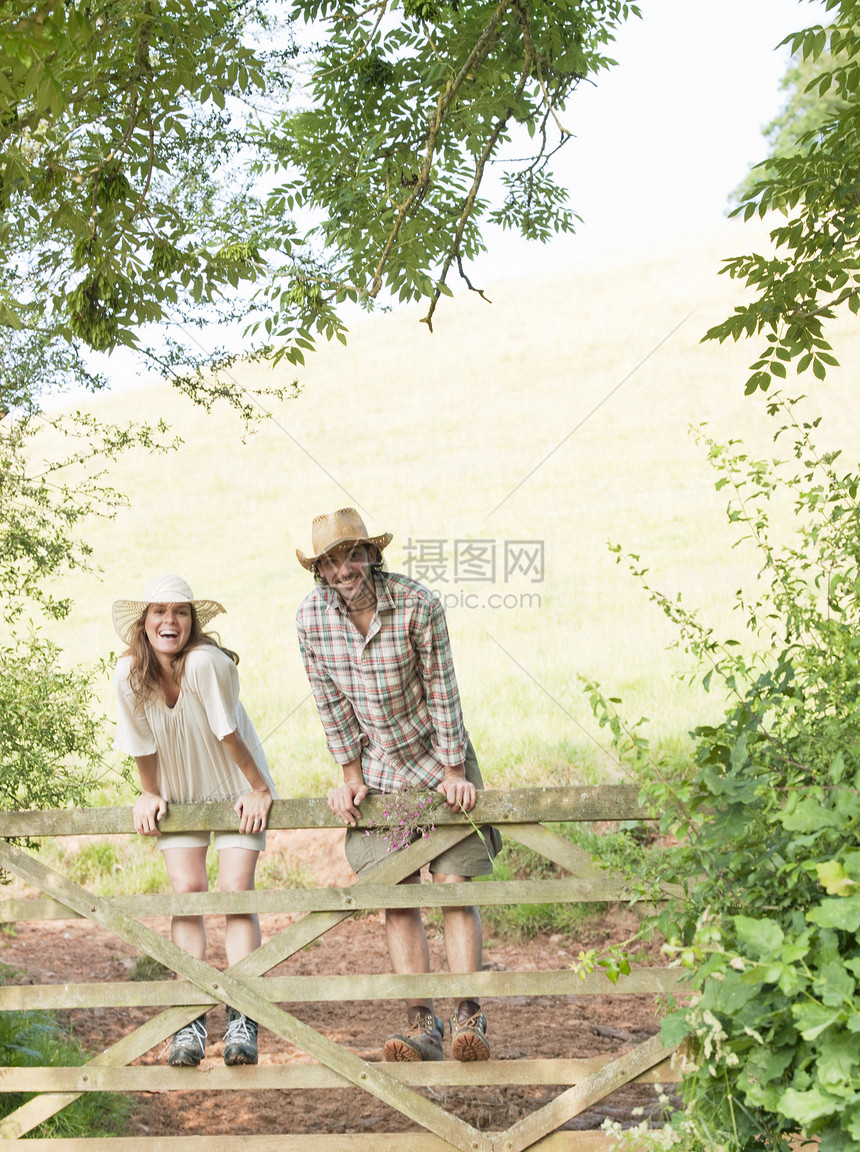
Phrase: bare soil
[519,1027]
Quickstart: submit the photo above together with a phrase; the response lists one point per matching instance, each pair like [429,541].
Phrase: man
[376,650]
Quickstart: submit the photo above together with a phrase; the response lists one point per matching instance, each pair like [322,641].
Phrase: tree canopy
[815,185]
[804,112]
[162,160]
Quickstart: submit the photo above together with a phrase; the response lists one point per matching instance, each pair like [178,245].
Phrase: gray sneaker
[240,1039]
[188,1045]
[421,1041]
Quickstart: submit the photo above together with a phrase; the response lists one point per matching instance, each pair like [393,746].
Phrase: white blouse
[193,764]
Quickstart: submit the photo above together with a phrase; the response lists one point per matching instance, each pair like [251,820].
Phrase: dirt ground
[518,1028]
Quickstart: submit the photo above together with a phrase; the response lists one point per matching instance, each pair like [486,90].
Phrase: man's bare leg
[407,947]
[464,948]
[463,932]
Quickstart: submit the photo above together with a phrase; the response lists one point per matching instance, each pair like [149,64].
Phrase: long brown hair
[145,678]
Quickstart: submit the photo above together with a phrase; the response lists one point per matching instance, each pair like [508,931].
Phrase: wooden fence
[521,814]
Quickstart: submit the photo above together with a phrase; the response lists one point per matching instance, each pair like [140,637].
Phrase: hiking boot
[469,1038]
[421,1041]
[240,1039]
[188,1045]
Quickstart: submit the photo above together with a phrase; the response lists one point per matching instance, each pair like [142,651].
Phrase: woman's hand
[344,801]
[149,808]
[252,808]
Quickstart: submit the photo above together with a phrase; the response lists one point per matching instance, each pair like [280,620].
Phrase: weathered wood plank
[602,888]
[227,987]
[334,1142]
[528,1131]
[556,848]
[311,989]
[501,806]
[307,1075]
[570,857]
[252,994]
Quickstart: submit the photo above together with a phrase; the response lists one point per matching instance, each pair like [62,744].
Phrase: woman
[193,742]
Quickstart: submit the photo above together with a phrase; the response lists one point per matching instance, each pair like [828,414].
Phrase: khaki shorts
[253,841]
[471,857]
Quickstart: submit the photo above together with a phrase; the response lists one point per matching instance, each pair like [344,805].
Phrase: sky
[661,140]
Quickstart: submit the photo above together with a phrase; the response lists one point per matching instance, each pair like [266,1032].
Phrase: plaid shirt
[389,697]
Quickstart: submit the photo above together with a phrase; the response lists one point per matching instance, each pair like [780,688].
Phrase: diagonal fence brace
[227,987]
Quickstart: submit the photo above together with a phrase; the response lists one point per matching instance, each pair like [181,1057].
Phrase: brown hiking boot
[469,1038]
[421,1041]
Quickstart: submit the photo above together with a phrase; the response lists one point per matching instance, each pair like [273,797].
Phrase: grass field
[558,415]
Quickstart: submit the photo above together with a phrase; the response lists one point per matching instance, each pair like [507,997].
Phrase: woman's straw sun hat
[168,589]
[333,529]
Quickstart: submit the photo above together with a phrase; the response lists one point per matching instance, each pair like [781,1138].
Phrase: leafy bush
[767,824]
[35,1039]
[93,861]
[49,742]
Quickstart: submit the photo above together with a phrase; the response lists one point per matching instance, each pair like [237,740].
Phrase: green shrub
[148,968]
[94,861]
[767,825]
[35,1039]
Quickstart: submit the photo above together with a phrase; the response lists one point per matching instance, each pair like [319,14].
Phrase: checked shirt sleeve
[440,687]
[342,731]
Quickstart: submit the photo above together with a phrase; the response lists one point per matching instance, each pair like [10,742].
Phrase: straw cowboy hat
[162,590]
[335,528]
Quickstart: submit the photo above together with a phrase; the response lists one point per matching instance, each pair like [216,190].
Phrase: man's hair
[377,566]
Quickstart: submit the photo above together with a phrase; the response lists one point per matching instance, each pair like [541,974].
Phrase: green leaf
[841,913]
[813,1018]
[839,1060]
[675,1027]
[807,1107]
[808,815]
[834,879]
[763,937]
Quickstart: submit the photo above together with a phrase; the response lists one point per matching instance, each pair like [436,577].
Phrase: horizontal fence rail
[522,814]
[504,806]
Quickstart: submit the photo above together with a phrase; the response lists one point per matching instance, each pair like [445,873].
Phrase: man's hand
[460,794]
[252,808]
[148,810]
[344,801]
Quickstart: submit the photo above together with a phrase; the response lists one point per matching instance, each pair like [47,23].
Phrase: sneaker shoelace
[238,1032]
[191,1034]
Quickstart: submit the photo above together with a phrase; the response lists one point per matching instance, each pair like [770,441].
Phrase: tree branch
[454,250]
[479,53]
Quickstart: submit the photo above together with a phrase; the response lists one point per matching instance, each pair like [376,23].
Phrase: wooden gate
[522,815]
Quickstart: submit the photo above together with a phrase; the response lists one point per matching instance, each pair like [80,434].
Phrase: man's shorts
[471,857]
[253,841]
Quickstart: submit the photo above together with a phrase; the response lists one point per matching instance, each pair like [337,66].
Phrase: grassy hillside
[597,372]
